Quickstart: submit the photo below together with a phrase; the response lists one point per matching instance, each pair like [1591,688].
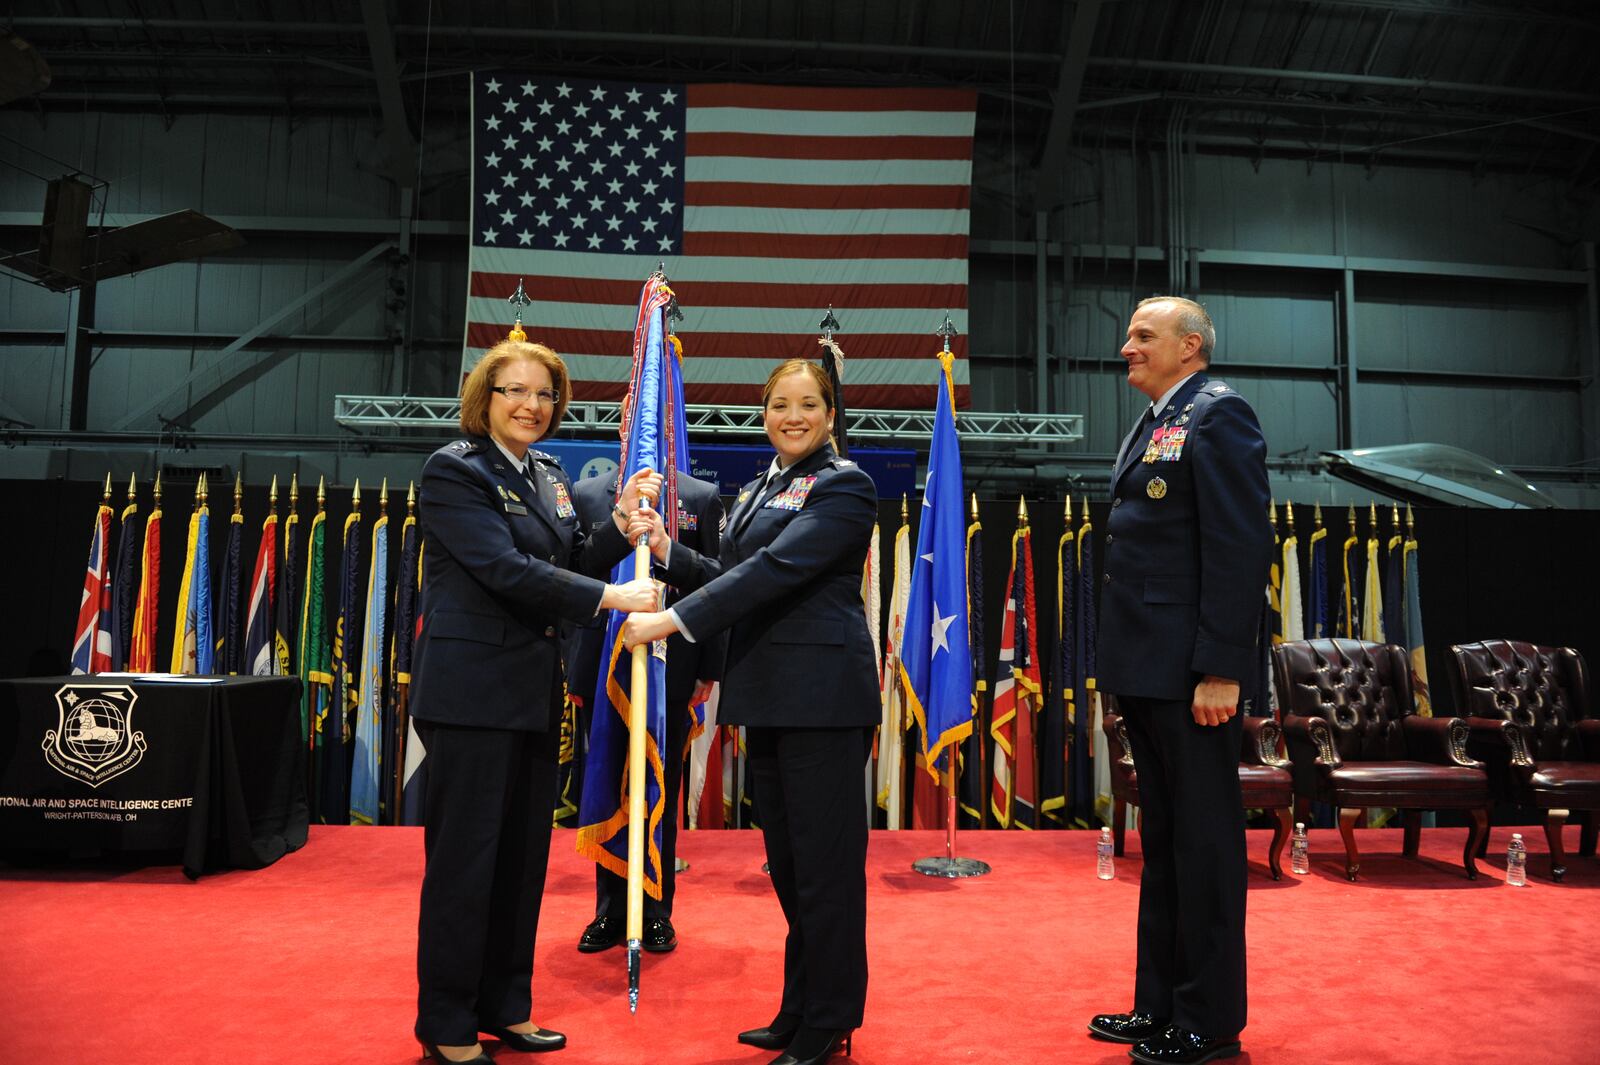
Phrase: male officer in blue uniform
[1187,552]
[691,670]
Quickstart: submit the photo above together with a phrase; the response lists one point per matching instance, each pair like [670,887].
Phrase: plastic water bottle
[1102,856]
[1299,850]
[1516,862]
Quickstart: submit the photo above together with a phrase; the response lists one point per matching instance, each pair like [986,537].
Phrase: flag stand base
[951,868]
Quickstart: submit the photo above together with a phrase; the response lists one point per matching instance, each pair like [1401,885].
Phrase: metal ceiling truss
[716,421]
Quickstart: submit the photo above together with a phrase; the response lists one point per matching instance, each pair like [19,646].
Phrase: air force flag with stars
[936,665]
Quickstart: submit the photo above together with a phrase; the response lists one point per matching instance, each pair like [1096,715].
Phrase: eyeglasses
[519,393]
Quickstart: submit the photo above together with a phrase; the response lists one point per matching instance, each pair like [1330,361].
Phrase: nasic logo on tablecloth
[95,740]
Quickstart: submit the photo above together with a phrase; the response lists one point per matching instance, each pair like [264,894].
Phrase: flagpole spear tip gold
[383,493]
[158,488]
[322,490]
[1022,510]
[105,496]
[1066,511]
[294,489]
[411,494]
[974,506]
[132,485]
[1288,514]
[1272,511]
[272,493]
[1352,515]
[905,514]
[1411,522]
[238,491]
[1316,514]
[355,495]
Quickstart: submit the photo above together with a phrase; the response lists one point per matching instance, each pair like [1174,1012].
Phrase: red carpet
[312,960]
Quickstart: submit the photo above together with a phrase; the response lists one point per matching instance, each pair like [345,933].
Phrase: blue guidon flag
[654,435]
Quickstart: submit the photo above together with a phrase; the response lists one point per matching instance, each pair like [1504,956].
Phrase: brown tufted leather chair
[1263,777]
[1527,707]
[1355,741]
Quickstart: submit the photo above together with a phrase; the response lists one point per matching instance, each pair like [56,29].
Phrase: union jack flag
[91,640]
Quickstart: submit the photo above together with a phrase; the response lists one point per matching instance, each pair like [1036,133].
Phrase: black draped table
[208,767]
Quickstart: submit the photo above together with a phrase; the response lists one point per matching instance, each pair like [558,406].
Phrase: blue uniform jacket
[788,590]
[502,569]
[1187,550]
[699,522]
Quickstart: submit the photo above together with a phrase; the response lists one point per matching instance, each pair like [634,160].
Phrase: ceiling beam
[1077,36]
[399,146]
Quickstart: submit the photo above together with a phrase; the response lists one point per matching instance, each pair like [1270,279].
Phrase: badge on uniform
[688,520]
[1156,488]
[564,507]
[794,496]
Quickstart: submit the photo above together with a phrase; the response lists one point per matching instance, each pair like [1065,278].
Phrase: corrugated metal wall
[1278,323]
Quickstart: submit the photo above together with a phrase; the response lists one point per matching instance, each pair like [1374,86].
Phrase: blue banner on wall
[731,466]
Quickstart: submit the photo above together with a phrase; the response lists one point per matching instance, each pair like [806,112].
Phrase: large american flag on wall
[765,203]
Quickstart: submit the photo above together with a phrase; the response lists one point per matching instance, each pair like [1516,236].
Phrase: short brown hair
[476,390]
[799,366]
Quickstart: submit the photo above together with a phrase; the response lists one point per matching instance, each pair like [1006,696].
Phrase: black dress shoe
[1132,1027]
[775,1036]
[529,1042]
[603,933]
[813,1046]
[431,1052]
[659,936]
[1179,1046]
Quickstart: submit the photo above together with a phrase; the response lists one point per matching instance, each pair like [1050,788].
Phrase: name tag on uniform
[510,501]
[794,496]
[515,508]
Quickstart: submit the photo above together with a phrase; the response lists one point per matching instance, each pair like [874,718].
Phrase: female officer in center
[800,676]
[505,562]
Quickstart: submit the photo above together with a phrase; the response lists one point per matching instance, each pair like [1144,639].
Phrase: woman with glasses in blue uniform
[505,562]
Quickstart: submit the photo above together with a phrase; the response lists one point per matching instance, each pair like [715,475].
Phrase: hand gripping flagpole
[949,866]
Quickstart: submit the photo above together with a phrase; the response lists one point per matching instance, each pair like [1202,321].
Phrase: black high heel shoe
[813,1046]
[431,1052]
[530,1042]
[777,1035]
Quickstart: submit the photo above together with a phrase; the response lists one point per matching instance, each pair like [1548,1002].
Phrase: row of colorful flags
[355,665]
[1026,747]
[1375,588]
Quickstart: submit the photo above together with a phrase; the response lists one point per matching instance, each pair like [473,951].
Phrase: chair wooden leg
[1591,833]
[1348,816]
[1553,821]
[1475,840]
[1119,825]
[1412,819]
[1483,846]
[1280,836]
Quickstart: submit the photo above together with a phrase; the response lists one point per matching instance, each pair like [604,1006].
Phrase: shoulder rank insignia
[842,464]
[1218,388]
[794,496]
[1156,488]
[544,457]
[463,447]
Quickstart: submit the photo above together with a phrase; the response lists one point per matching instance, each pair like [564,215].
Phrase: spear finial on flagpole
[518,299]
[105,497]
[355,496]
[133,477]
[1288,514]
[294,490]
[1316,514]
[158,488]
[829,324]
[411,496]
[272,494]
[1272,513]
[322,493]
[1066,511]
[905,515]
[383,497]
[238,492]
[1022,511]
[1372,518]
[1411,523]
[947,330]
[974,506]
